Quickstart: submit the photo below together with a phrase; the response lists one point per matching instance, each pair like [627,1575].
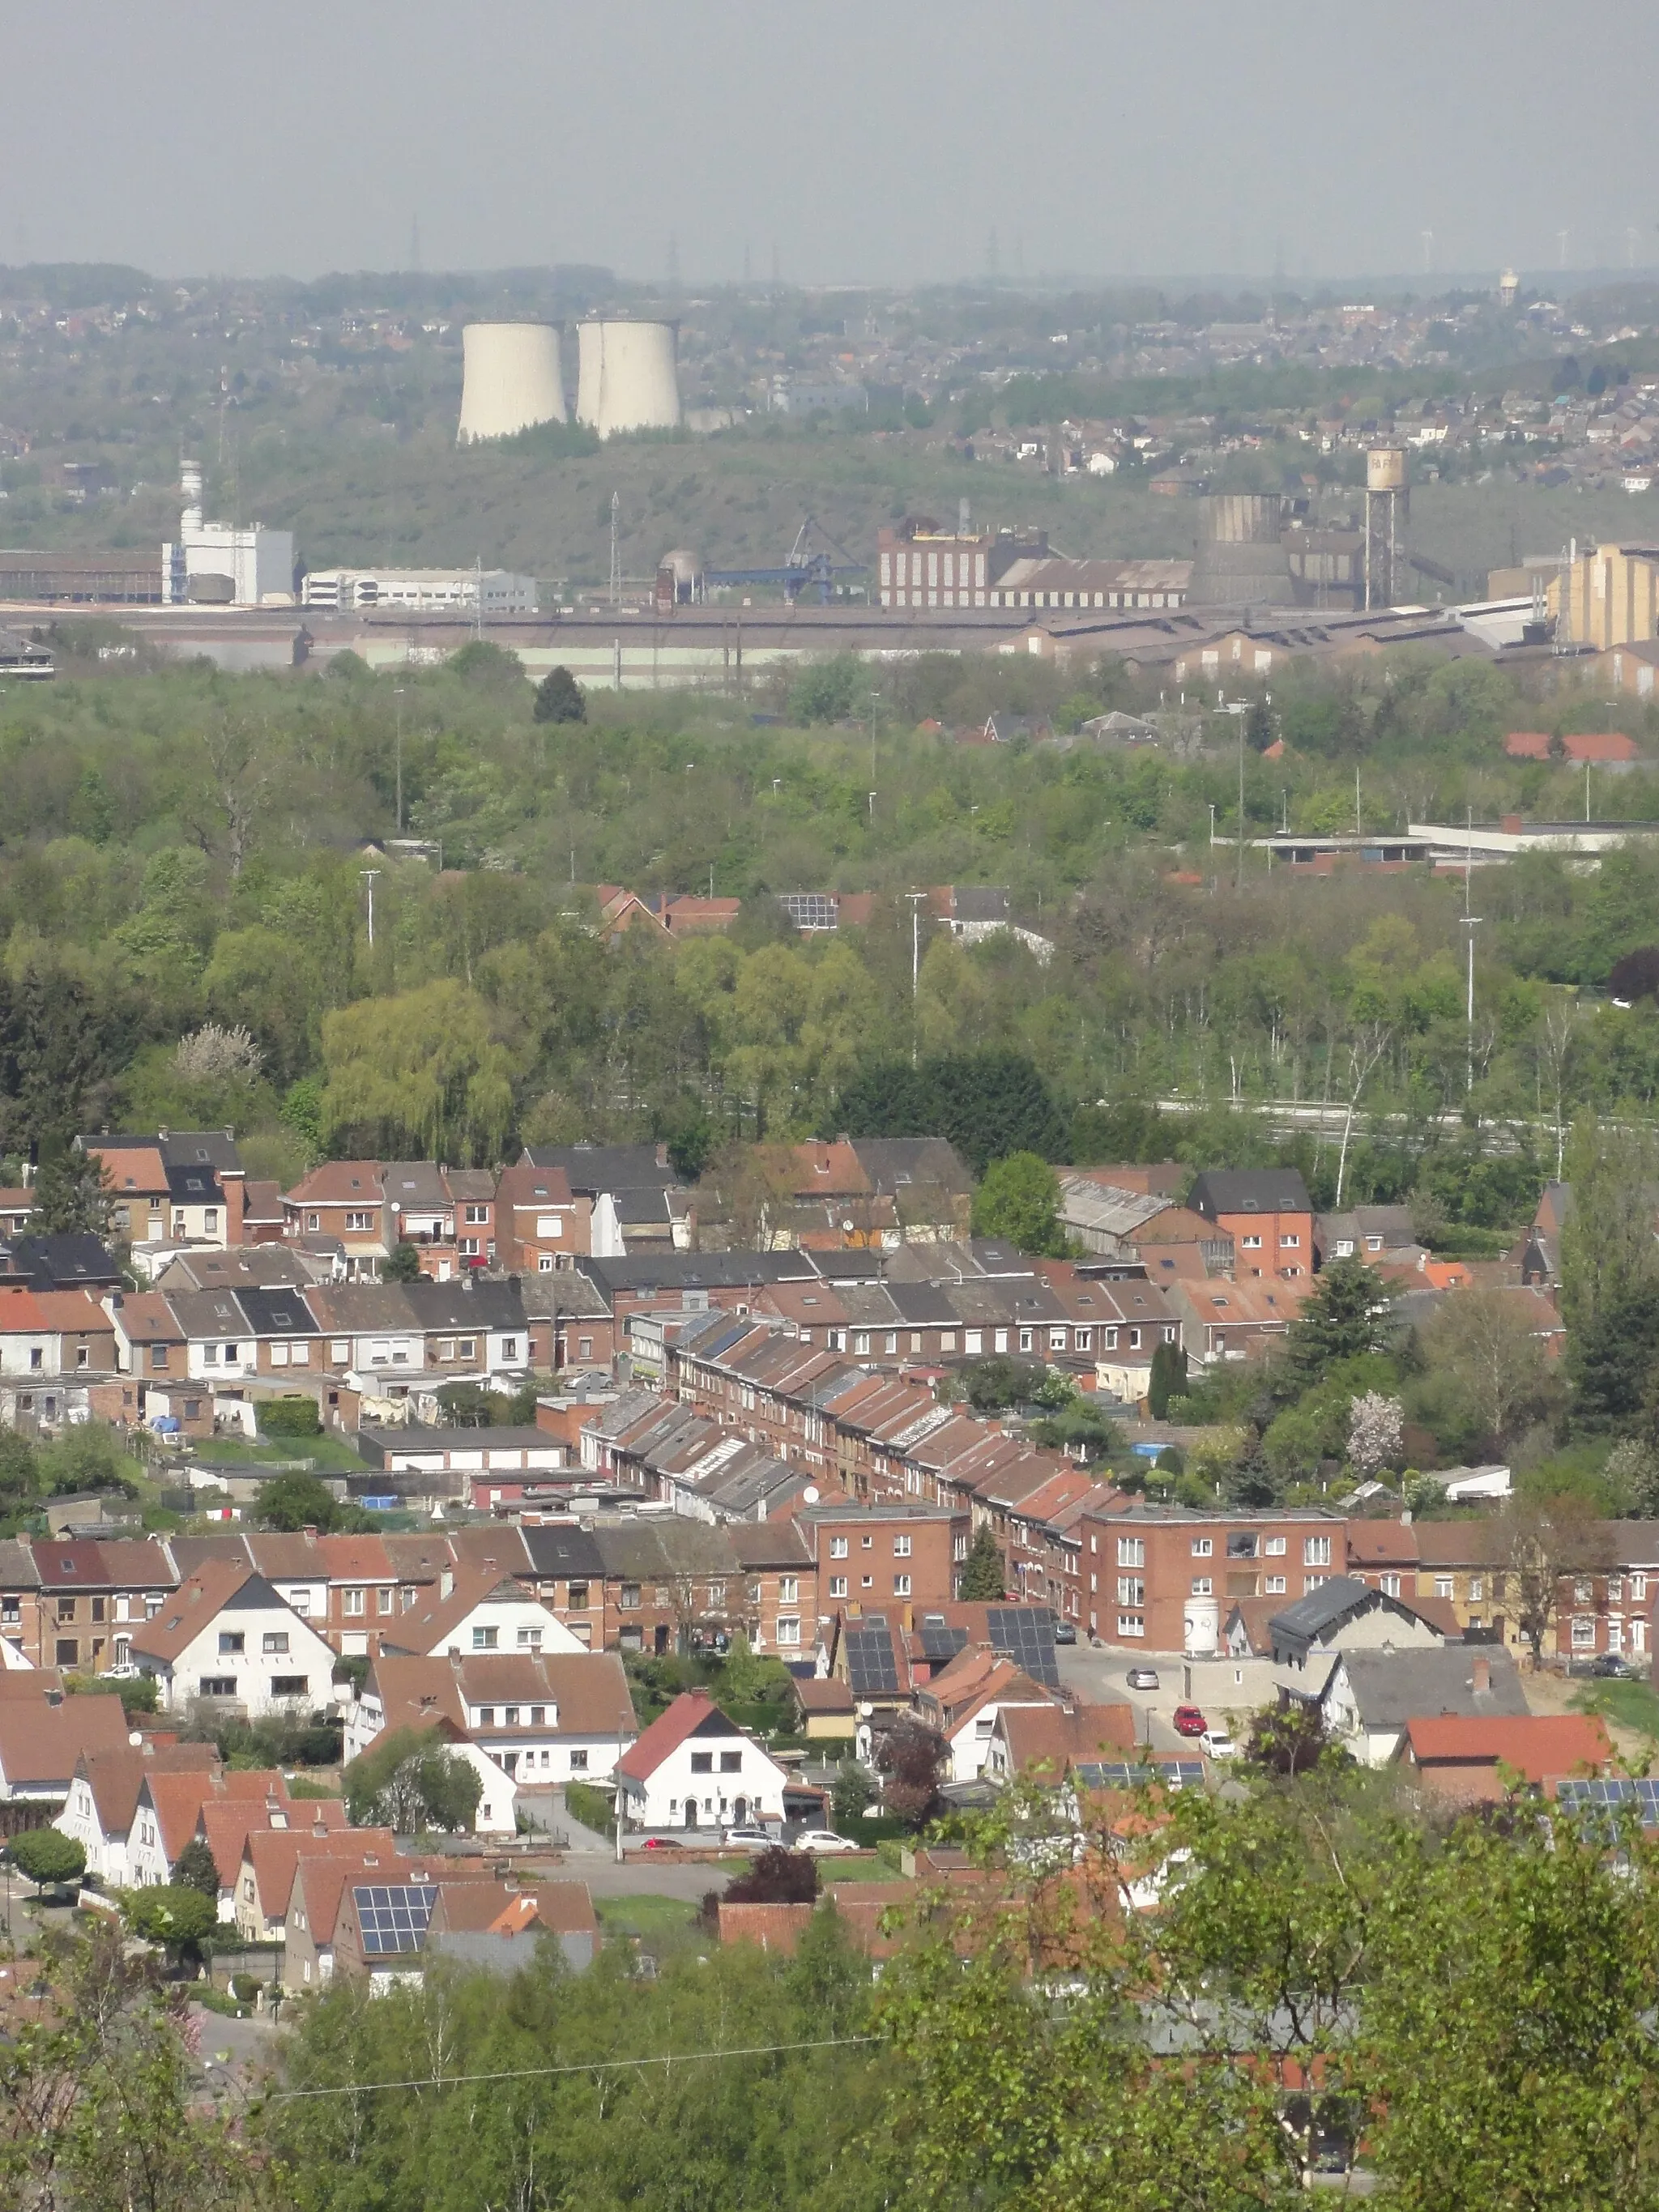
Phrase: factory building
[1056,582]
[1607,595]
[421,591]
[511,379]
[920,565]
[224,563]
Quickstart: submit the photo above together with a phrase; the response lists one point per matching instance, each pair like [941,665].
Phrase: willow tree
[418,1075]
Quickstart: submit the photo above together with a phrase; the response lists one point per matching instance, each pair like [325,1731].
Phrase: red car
[662,1844]
[1188,1721]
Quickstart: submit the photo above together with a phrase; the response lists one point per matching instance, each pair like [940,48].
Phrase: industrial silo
[590,372]
[1241,558]
[510,379]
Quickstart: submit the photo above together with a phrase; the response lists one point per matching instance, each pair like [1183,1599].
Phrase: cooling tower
[510,379]
[590,370]
[628,377]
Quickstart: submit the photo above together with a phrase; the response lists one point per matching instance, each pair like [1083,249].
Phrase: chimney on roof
[1481,1678]
[447,1582]
[230,1136]
[310,1529]
[160,1136]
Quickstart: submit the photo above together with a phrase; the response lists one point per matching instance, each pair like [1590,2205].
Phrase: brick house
[179,1186]
[874,1555]
[1267,1213]
[93,1595]
[1162,1578]
[541,1223]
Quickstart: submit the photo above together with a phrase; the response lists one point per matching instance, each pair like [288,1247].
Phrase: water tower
[1509,288]
[1386,505]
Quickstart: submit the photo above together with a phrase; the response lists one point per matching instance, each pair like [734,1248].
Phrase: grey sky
[869,140]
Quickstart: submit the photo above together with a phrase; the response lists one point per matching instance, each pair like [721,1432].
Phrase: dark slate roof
[692,1270]
[277,1313]
[594,1167]
[476,1302]
[565,1553]
[1392,1687]
[61,1261]
[193,1185]
[1249,1190]
[1312,1618]
[895,1164]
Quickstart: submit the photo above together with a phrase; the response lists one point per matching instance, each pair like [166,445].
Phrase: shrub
[43,1855]
[290,1417]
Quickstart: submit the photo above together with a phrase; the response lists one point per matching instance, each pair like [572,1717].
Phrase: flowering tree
[1375,1437]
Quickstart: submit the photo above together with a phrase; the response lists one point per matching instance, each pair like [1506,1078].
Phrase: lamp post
[368,876]
[398,694]
[1471,922]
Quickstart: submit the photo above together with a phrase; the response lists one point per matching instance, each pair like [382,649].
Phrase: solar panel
[1026,1634]
[1119,1774]
[940,1644]
[394,1919]
[871,1671]
[1610,1790]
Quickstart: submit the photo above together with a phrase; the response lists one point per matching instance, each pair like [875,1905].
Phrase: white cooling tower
[590,372]
[510,379]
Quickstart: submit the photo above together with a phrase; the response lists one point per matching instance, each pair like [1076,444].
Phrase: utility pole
[616,563]
[915,899]
[1240,719]
[875,702]
[368,876]
[398,694]
[1471,922]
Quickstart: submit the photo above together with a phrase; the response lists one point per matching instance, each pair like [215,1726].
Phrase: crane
[804,568]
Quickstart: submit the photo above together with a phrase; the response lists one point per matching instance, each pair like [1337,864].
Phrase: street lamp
[368,876]
[398,694]
[1471,922]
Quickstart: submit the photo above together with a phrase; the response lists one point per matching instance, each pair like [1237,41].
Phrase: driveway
[1100,1677]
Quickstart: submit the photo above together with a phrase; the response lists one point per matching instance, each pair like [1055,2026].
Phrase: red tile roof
[668,1732]
[1537,1746]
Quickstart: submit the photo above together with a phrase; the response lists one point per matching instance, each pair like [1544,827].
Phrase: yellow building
[1612,596]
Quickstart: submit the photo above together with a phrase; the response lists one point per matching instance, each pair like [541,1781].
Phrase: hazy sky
[866,140]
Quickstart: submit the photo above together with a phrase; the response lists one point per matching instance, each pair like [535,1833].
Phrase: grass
[663,1925]
[833,1871]
[330,1454]
[1632,1705]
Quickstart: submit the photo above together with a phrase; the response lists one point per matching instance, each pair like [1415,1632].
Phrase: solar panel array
[1118,1774]
[394,1919]
[1611,1790]
[871,1671]
[940,1644]
[1026,1634]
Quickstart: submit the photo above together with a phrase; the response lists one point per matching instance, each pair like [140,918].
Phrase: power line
[587,2066]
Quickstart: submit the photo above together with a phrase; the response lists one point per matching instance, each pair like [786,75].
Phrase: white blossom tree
[1376,1438]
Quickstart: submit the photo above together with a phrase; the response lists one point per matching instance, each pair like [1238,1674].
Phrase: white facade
[255,563]
[421,591]
[106,1854]
[254,1652]
[709,1781]
[496,1624]
[973,1740]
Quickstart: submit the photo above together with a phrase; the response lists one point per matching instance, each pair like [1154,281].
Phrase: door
[659,1641]
[690,1812]
[739,1811]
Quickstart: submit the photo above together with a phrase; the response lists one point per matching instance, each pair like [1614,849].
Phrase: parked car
[750,1837]
[1216,1743]
[1188,1721]
[662,1844]
[1608,1665]
[822,1843]
[1066,1632]
[1143,1678]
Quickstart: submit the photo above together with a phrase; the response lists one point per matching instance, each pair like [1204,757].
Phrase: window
[1131,1624]
[1273,1548]
[383,1601]
[900,1586]
[947,1340]
[359,1222]
[837,1585]
[1130,1590]
[1638,1589]
[788,1590]
[218,1686]
[1583,1590]
[1615,1591]
[351,1603]
[1390,1586]
[628,1596]
[339,1352]
[702,1762]
[232,1644]
[510,1347]
[467,1348]
[510,1716]
[1275,1586]
[579,1762]
[544,1263]
[838,1547]
[69,1650]
[1313,1582]
[901,1547]
[485,1639]
[1477,1589]
[1026,1336]
[1056,1339]
[1251,1243]
[65,1609]
[577,1594]
[1131,1551]
[158,1358]
[486,1716]
[973,1341]
[1082,1340]
[731,1762]
[1241,1545]
[788,1630]
[866,1543]
[290,1686]
[313,1223]
[274,1643]
[1201,1586]
[1584,1632]
[530,1639]
[1203,1547]
[1290,1243]
[300,1600]
[478,1215]
[1317,1551]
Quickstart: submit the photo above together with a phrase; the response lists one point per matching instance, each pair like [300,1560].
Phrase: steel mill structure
[511,379]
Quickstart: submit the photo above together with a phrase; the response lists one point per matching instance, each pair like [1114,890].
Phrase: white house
[478,1611]
[1372,1696]
[544,1719]
[103,1799]
[965,1699]
[693,1768]
[228,1636]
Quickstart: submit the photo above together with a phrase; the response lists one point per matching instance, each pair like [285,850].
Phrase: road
[1100,1677]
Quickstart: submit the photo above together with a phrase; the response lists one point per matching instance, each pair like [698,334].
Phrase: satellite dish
[847,1226]
[810,1493]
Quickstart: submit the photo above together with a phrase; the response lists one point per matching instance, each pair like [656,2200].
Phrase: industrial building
[1607,595]
[421,591]
[920,565]
[628,376]
[50,578]
[511,379]
[1058,582]
[224,563]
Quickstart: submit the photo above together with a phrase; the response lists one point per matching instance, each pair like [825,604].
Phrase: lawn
[651,1918]
[1628,1704]
[330,1454]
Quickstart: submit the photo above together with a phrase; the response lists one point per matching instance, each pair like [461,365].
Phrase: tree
[852,1791]
[408,1780]
[1286,1740]
[1613,1360]
[297,1500]
[195,1867]
[45,1856]
[910,1758]
[981,1581]
[1348,1315]
[488,667]
[1484,1343]
[775,1876]
[403,1265]
[987,1103]
[178,1917]
[418,1073]
[73,1195]
[560,698]
[1609,1251]
[1019,1200]
[139,1693]
[1376,1438]
[1168,1379]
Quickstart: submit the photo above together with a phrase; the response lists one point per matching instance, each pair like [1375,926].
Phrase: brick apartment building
[867,1557]
[1162,1578]
[1267,1213]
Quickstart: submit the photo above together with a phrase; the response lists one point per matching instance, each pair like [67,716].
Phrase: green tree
[73,1194]
[1019,1200]
[1612,1359]
[1168,1379]
[195,1867]
[980,1580]
[419,1072]
[297,1500]
[178,1917]
[402,1265]
[1348,1315]
[409,1781]
[294,1415]
[560,698]
[45,1856]
[852,1791]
